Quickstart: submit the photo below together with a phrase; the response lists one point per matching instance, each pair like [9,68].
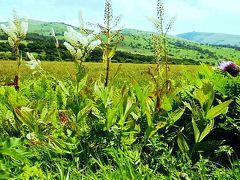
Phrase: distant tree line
[227,46]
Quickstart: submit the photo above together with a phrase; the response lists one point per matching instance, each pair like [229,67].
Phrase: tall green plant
[110,37]
[203,119]
[160,40]
[16,31]
[56,43]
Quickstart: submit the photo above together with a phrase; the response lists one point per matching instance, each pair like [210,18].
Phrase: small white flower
[78,44]
[4,27]
[11,42]
[26,109]
[70,29]
[53,32]
[56,39]
[90,37]
[16,30]
[75,37]
[33,63]
[70,48]
[94,44]
[31,136]
[69,37]
[82,39]
[12,26]
[9,31]
[24,27]
[79,54]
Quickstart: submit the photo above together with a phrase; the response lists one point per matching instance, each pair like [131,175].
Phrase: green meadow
[67,70]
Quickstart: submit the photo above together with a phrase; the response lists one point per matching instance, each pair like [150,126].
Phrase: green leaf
[196,131]
[111,117]
[13,148]
[207,130]
[82,83]
[208,92]
[186,104]
[176,115]
[63,88]
[152,131]
[182,143]
[112,53]
[149,118]
[26,118]
[13,153]
[200,96]
[126,111]
[217,110]
[166,104]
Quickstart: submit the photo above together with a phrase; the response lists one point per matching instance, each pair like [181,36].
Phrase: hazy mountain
[212,38]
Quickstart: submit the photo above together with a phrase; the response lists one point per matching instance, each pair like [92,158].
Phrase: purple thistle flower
[229,67]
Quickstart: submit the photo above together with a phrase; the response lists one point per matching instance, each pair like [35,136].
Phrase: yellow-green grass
[66,70]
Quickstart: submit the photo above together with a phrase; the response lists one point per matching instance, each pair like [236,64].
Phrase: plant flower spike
[16,31]
[230,67]
[33,63]
[78,44]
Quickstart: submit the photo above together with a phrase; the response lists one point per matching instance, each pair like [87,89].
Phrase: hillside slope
[137,42]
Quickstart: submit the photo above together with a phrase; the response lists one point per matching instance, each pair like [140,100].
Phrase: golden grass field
[66,70]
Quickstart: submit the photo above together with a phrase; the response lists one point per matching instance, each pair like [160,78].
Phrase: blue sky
[220,16]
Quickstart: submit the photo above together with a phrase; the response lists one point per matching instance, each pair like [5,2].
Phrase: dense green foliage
[54,129]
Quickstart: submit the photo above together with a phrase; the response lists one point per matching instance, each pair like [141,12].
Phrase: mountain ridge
[212,38]
[44,28]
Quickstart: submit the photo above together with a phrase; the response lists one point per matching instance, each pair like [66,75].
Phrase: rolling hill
[44,28]
[212,38]
[138,43]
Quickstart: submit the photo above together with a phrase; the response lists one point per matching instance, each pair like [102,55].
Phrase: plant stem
[59,55]
[17,77]
[166,61]
[107,56]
